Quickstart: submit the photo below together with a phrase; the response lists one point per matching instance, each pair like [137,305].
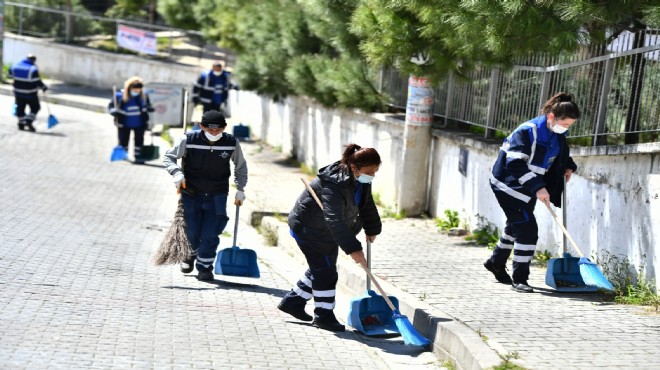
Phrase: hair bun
[564,97]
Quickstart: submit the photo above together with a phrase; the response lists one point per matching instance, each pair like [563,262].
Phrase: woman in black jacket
[344,188]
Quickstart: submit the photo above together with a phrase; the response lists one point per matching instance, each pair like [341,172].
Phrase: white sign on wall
[167,101]
[136,39]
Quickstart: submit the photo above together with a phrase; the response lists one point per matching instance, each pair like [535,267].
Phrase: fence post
[411,188]
[20,20]
[545,87]
[493,101]
[602,104]
[450,96]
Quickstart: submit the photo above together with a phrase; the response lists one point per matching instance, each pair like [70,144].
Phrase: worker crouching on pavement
[344,189]
[203,179]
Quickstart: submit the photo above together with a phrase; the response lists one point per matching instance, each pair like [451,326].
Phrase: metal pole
[20,21]
[602,104]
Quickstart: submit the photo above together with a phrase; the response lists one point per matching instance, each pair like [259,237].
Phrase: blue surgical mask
[135,93]
[365,179]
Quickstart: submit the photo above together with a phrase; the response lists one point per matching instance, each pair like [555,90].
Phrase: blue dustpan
[370,314]
[563,275]
[52,121]
[118,154]
[235,261]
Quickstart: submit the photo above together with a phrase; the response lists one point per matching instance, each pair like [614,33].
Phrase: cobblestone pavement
[78,289]
[544,330]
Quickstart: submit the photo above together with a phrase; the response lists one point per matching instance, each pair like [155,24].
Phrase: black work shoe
[21,126]
[205,276]
[499,271]
[294,309]
[328,325]
[522,287]
[187,265]
[30,127]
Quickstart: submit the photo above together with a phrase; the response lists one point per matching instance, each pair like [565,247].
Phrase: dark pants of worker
[124,134]
[520,234]
[34,105]
[210,106]
[320,279]
[206,218]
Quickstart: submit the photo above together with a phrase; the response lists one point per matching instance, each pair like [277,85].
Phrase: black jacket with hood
[341,219]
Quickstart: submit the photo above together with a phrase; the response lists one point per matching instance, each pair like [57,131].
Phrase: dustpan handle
[368,264]
[577,250]
[236,226]
[366,268]
[564,207]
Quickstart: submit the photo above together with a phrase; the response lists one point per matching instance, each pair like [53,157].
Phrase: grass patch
[542,258]
[448,364]
[309,171]
[507,364]
[389,213]
[450,220]
[269,233]
[485,234]
[630,286]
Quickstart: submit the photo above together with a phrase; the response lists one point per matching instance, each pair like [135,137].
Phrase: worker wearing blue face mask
[532,164]
[212,88]
[344,189]
[130,107]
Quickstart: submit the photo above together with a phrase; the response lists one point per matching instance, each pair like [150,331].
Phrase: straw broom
[408,332]
[175,246]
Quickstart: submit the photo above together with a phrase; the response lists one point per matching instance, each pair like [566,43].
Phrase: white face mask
[216,73]
[365,179]
[213,137]
[135,93]
[559,129]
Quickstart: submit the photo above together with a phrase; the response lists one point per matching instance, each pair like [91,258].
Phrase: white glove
[240,197]
[179,181]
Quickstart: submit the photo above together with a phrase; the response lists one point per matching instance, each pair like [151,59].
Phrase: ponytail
[562,105]
[359,157]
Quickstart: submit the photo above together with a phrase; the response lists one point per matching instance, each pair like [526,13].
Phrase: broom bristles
[175,246]
[592,276]
[411,337]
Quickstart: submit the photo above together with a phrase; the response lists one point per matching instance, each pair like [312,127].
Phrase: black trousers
[124,134]
[520,235]
[319,281]
[34,105]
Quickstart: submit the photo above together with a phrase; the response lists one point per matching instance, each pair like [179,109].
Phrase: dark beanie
[213,119]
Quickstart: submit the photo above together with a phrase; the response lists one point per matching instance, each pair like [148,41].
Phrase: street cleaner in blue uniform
[203,180]
[212,88]
[531,165]
[27,83]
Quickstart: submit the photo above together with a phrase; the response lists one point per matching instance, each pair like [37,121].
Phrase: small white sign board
[167,100]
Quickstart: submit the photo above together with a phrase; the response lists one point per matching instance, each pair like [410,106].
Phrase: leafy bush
[450,221]
[485,234]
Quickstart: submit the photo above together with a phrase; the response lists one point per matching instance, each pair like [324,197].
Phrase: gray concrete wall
[89,67]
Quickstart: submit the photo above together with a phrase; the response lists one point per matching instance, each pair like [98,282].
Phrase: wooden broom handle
[366,269]
[568,236]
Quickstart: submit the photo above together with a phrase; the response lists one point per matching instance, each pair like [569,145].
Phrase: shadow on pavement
[46,133]
[227,285]
[596,297]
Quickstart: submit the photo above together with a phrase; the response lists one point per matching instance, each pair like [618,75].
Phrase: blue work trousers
[206,218]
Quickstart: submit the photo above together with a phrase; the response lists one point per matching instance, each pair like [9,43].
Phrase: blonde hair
[126,94]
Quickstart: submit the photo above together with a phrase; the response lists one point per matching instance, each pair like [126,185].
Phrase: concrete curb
[451,339]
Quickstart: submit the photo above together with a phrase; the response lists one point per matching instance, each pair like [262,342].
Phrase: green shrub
[485,234]
[450,220]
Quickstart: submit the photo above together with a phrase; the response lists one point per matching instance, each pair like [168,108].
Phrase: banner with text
[136,39]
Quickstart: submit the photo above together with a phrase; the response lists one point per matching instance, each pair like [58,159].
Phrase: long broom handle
[366,269]
[236,226]
[547,204]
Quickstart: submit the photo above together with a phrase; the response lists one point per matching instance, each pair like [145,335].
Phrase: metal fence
[78,28]
[616,85]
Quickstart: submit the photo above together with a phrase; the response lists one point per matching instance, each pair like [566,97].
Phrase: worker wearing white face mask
[344,189]
[532,164]
[131,114]
[204,186]
[212,88]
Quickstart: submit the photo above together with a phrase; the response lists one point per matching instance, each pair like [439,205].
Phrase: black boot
[28,125]
[21,125]
[187,265]
[295,306]
[328,321]
[499,271]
